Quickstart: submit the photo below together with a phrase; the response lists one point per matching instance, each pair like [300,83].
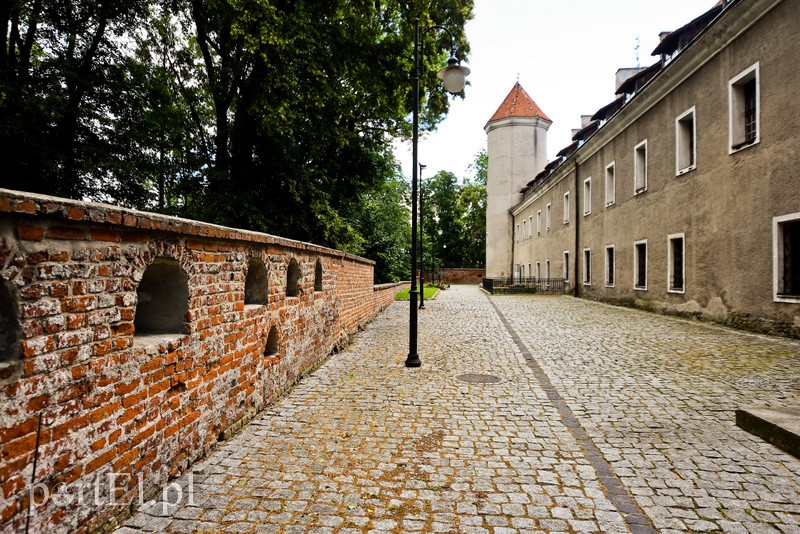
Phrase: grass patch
[430,291]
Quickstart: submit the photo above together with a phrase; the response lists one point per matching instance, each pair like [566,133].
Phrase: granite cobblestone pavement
[602,419]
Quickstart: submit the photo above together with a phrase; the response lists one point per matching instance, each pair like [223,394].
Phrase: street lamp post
[453,77]
[421,240]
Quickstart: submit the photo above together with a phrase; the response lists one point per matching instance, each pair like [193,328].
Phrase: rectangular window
[744,110]
[640,168]
[524,228]
[610,267]
[566,266]
[566,207]
[530,224]
[587,267]
[640,265]
[547,269]
[539,222]
[548,218]
[517,237]
[786,257]
[676,252]
[587,196]
[538,270]
[611,185]
[685,143]
[529,270]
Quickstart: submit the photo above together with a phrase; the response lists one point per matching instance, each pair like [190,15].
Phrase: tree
[54,65]
[384,224]
[271,115]
[472,209]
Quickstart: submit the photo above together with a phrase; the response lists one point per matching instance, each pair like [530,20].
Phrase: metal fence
[547,286]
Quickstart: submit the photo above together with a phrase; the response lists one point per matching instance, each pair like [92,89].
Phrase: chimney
[623,74]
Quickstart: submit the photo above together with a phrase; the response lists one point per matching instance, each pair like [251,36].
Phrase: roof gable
[518,103]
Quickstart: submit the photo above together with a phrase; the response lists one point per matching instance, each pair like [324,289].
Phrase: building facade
[683,194]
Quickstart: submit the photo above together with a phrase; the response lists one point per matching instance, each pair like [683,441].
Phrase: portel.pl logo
[103,492]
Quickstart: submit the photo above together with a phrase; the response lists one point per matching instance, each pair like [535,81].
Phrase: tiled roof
[518,103]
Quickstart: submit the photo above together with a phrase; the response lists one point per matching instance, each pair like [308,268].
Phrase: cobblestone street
[601,419]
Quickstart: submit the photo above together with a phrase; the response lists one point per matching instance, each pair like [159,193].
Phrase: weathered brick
[56,232]
[30,233]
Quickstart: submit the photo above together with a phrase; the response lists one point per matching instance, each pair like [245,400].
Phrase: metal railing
[547,286]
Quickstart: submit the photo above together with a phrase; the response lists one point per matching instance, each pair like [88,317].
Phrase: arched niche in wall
[9,325]
[293,279]
[256,287]
[318,276]
[162,299]
[272,347]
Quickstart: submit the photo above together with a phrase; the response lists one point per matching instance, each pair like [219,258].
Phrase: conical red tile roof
[518,103]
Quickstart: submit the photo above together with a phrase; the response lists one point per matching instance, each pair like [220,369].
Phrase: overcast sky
[565,54]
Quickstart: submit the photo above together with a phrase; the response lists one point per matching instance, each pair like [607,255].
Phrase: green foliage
[458,211]
[271,115]
[383,221]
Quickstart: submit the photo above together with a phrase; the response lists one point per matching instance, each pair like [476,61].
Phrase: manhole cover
[478,378]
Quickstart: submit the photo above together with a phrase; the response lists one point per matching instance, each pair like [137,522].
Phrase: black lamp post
[421,239]
[453,77]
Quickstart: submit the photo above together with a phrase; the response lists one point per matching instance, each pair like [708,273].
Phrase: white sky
[565,53]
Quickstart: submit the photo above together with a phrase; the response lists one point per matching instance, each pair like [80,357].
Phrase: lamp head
[453,76]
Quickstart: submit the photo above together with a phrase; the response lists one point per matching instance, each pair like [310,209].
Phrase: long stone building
[682,194]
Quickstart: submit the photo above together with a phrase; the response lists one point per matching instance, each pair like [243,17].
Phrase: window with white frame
[685,142]
[786,257]
[530,225]
[587,267]
[610,266]
[587,196]
[538,270]
[566,207]
[529,270]
[611,184]
[525,231]
[676,260]
[538,222]
[547,269]
[640,265]
[743,109]
[548,216]
[518,234]
[640,168]
[565,267]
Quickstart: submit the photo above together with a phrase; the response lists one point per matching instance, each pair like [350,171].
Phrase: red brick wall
[456,275]
[88,397]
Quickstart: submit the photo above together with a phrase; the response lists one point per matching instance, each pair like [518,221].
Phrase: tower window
[786,253]
[743,96]
[676,258]
[685,155]
[640,168]
[610,266]
[640,265]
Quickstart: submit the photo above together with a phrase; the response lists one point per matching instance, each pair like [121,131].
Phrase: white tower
[517,152]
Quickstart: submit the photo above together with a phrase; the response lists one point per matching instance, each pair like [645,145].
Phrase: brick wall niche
[131,342]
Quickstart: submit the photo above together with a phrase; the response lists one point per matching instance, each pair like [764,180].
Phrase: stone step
[778,426]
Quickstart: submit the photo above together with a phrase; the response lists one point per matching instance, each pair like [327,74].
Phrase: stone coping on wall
[131,223]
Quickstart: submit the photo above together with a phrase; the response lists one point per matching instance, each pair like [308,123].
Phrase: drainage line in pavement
[634,516]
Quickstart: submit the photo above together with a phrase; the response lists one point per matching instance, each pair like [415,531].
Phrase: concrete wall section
[88,401]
